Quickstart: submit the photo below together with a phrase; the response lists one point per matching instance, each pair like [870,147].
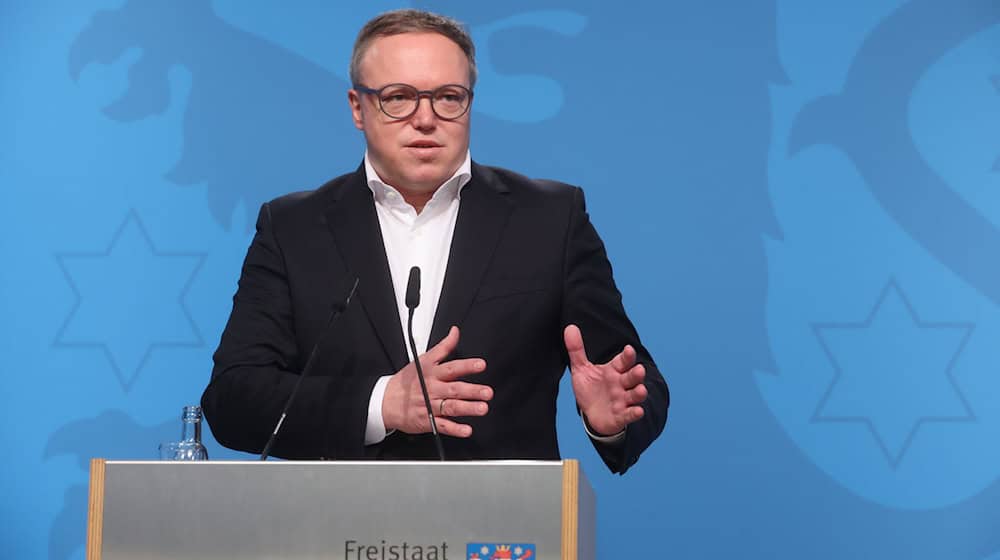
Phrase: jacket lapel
[355,228]
[482,216]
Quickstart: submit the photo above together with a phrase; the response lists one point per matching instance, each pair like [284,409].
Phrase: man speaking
[515,287]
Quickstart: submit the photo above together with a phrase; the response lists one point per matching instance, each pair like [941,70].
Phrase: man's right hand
[403,405]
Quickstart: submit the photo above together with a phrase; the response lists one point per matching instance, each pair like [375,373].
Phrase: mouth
[423,144]
[424,148]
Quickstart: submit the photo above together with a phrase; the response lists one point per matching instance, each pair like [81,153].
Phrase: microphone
[412,301]
[334,313]
[413,289]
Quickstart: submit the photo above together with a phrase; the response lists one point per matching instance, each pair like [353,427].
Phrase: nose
[424,118]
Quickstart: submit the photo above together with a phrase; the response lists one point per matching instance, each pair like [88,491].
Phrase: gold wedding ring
[441,408]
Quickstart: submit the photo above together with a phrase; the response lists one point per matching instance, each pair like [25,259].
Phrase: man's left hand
[609,395]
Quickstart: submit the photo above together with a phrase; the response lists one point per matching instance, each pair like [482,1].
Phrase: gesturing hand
[403,406]
[609,395]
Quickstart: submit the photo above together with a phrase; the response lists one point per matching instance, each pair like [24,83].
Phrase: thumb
[573,339]
[443,349]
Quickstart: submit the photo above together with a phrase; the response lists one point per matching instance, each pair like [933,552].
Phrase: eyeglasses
[400,101]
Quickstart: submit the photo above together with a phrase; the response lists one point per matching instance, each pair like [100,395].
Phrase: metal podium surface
[252,510]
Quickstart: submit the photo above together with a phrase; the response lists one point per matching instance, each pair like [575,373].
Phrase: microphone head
[413,288]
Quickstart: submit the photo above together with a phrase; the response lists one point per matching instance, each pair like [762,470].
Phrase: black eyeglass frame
[428,93]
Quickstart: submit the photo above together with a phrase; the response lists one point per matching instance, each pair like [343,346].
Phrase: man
[514,281]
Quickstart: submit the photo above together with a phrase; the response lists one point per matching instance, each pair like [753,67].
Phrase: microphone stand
[306,370]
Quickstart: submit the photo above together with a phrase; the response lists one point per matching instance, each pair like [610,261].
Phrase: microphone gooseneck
[412,301]
[334,313]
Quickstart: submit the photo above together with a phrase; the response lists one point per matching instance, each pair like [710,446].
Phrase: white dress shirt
[413,239]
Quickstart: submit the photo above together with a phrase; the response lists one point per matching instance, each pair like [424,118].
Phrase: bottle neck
[191,427]
[191,431]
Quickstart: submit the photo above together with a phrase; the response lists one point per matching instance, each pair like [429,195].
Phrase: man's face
[421,152]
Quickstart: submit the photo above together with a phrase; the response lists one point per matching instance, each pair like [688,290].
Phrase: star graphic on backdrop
[893,372]
[129,300]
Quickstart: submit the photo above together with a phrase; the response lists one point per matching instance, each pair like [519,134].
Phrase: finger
[443,349]
[624,360]
[634,413]
[573,339]
[464,391]
[636,396]
[458,407]
[454,369]
[451,428]
[633,377]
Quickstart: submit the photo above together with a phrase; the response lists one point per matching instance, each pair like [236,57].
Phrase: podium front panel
[335,510]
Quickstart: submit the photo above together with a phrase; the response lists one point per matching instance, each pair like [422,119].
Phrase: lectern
[332,510]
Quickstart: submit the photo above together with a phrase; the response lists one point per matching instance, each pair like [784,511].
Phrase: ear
[354,100]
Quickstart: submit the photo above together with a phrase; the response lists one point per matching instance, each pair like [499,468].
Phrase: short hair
[397,22]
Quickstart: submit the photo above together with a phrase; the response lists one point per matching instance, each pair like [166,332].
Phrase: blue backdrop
[800,199]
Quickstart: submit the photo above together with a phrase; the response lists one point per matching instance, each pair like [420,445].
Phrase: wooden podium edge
[570,508]
[95,510]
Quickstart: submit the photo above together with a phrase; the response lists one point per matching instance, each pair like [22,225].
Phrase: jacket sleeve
[259,359]
[593,302]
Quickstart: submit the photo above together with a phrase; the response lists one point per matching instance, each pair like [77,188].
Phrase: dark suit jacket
[525,261]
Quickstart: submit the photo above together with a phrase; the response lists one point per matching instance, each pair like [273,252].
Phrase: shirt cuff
[612,439]
[375,429]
